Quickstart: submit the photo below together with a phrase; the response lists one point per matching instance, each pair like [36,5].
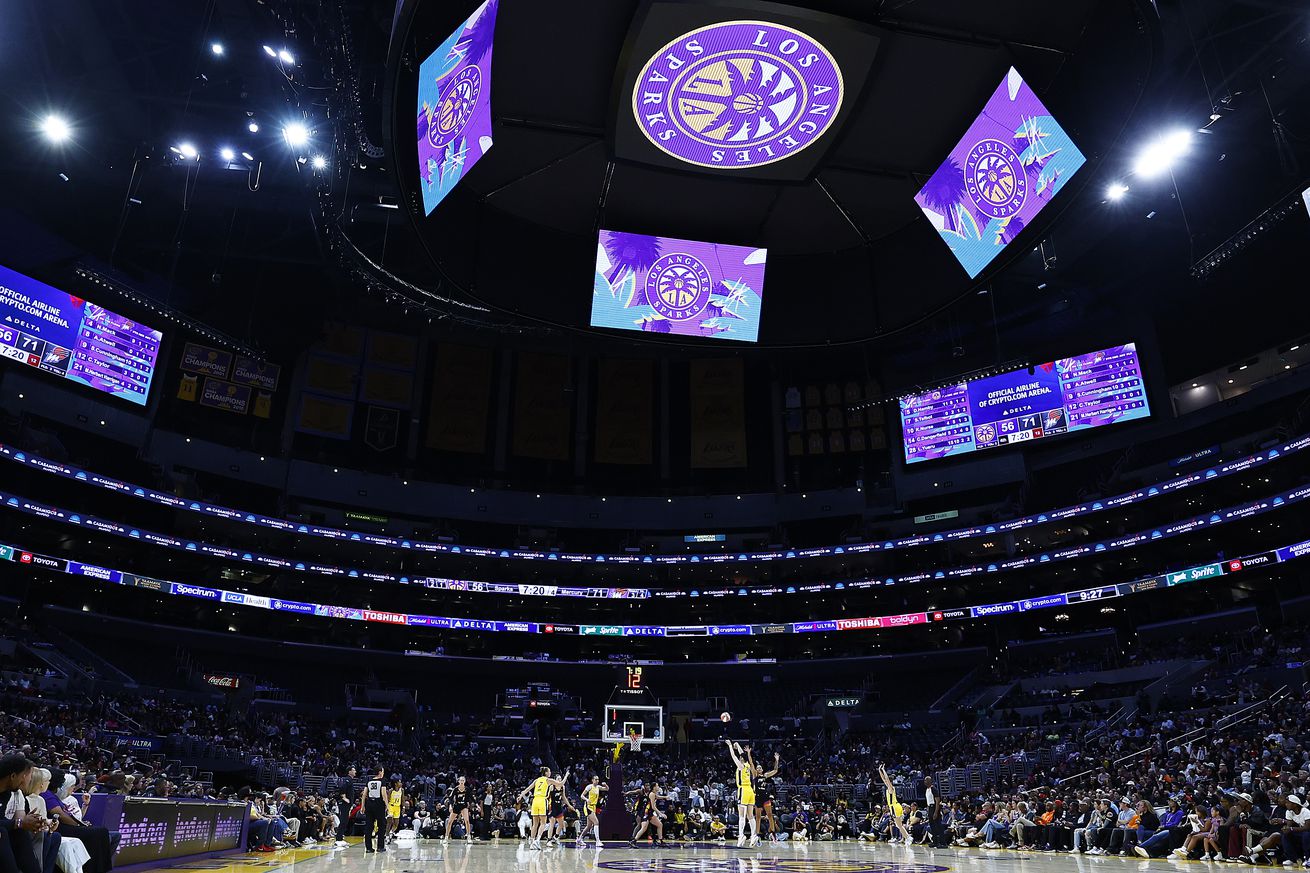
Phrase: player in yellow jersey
[539,792]
[745,794]
[393,808]
[894,807]
[590,810]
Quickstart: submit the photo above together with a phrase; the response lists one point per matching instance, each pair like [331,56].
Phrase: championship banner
[625,399]
[341,341]
[718,414]
[461,399]
[220,394]
[332,377]
[256,373]
[325,416]
[205,361]
[394,350]
[387,388]
[543,410]
[381,428]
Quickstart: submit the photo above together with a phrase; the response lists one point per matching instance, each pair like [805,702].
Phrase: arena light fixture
[217,49]
[1160,155]
[55,128]
[188,151]
[286,57]
[296,134]
[268,50]
[227,154]
[253,127]
[248,156]
[1116,191]
[318,162]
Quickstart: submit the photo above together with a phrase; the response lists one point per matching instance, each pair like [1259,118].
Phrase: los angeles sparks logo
[738,94]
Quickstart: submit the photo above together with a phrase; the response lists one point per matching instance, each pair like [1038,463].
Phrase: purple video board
[454,105]
[1010,163]
[1064,396]
[675,286]
[67,336]
[738,94]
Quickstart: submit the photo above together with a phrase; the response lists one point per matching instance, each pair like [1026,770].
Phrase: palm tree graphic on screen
[630,253]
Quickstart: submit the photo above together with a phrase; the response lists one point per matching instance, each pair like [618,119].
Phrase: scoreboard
[71,338]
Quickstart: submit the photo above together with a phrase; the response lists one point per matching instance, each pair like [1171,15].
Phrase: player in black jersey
[648,813]
[457,799]
[558,801]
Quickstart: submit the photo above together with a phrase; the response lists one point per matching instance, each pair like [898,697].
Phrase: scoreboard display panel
[75,339]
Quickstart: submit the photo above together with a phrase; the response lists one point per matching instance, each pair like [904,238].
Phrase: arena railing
[1244,564]
[1182,527]
[1065,513]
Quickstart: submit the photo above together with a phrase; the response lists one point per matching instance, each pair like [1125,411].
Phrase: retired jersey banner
[330,376]
[718,414]
[625,399]
[325,416]
[387,388]
[397,351]
[543,407]
[461,399]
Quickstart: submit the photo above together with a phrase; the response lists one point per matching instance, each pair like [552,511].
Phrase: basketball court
[827,857]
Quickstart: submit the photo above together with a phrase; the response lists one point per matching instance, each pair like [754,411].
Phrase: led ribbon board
[75,339]
[454,105]
[1011,162]
[1064,396]
[675,286]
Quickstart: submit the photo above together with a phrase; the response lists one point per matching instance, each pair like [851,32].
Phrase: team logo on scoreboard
[766,865]
[738,94]
[678,286]
[986,434]
[994,177]
[453,112]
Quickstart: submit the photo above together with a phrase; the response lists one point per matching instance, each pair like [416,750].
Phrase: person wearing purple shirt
[98,841]
[1172,818]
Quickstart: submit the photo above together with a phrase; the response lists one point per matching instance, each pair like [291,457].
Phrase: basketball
[725,717]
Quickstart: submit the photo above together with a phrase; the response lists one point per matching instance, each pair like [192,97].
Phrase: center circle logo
[456,106]
[738,94]
[995,178]
[678,286]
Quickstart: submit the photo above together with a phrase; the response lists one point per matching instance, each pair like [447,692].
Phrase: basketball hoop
[634,742]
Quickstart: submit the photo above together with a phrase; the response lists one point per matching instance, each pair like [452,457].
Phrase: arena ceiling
[850,254]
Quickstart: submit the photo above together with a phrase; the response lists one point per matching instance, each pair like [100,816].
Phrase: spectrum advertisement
[1010,163]
[454,105]
[75,339]
[659,284]
[162,498]
[983,611]
[1057,397]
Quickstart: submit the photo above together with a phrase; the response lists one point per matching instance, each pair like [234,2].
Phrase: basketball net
[634,742]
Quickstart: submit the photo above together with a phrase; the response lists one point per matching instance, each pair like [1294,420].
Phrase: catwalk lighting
[318,162]
[188,151]
[268,50]
[216,48]
[248,156]
[55,128]
[296,134]
[228,154]
[1116,191]
[253,127]
[286,57]
[1160,156]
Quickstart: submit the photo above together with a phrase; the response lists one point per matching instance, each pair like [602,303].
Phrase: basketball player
[894,807]
[457,799]
[538,791]
[373,800]
[559,802]
[648,813]
[764,809]
[745,795]
[393,808]
[590,808]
